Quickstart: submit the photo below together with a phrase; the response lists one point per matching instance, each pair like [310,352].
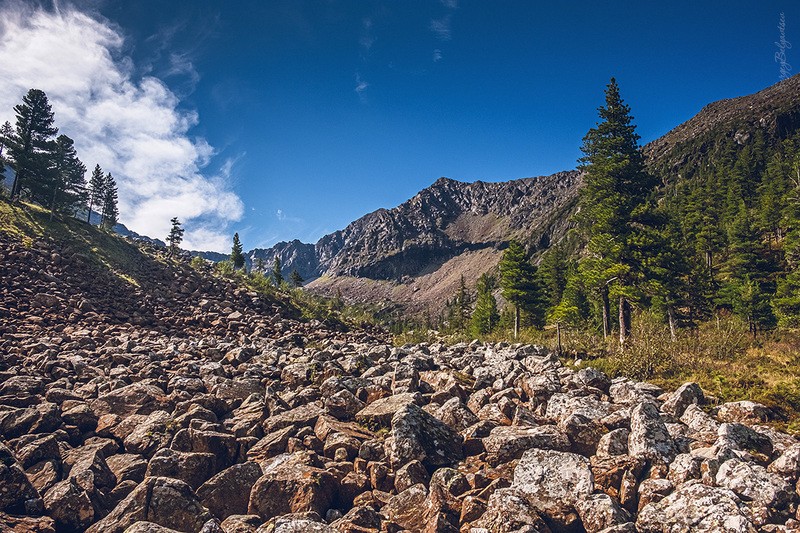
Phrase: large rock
[696,507]
[17,495]
[744,412]
[508,511]
[380,412]
[553,482]
[649,438]
[416,435]
[155,432]
[190,467]
[69,505]
[228,493]
[290,484]
[164,501]
[139,398]
[768,494]
[686,395]
[506,443]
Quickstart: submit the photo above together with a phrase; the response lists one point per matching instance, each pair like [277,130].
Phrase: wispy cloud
[367,38]
[437,55]
[450,4]
[442,27]
[133,126]
[361,84]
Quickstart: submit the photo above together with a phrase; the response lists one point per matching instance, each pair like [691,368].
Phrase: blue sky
[293,118]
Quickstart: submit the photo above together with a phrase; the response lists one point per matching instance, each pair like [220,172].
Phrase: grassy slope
[29,223]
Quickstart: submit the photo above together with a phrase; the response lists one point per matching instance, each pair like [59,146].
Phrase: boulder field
[219,411]
[125,431]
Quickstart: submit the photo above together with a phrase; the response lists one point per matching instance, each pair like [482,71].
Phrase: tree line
[721,238]
[46,166]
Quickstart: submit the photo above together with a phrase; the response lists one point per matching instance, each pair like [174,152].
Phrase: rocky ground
[218,411]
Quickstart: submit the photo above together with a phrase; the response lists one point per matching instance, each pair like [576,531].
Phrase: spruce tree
[68,181]
[485,316]
[108,218]
[520,286]
[297,279]
[237,257]
[615,184]
[175,236]
[97,191]
[277,275]
[32,148]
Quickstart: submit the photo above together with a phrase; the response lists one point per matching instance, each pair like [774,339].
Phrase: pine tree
[68,181]
[108,218]
[297,279]
[520,286]
[615,184]
[32,148]
[485,317]
[97,190]
[175,236]
[277,275]
[237,257]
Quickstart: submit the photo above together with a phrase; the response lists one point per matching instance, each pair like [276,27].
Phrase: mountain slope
[774,112]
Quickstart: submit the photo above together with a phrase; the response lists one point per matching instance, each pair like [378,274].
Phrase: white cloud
[437,55]
[361,84]
[441,28]
[134,128]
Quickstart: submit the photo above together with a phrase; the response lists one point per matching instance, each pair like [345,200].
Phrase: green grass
[29,223]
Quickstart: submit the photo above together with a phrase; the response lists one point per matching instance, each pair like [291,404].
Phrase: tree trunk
[558,334]
[89,216]
[606,312]
[624,320]
[671,316]
[516,322]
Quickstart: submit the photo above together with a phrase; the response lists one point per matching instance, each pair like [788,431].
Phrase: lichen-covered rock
[767,494]
[164,501]
[379,413]
[193,468]
[69,505]
[155,432]
[290,484]
[696,507]
[684,396]
[743,412]
[228,492]
[599,512]
[416,435]
[553,482]
[506,443]
[649,438]
[508,511]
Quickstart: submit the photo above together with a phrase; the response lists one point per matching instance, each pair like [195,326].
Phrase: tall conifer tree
[32,149]
[616,184]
